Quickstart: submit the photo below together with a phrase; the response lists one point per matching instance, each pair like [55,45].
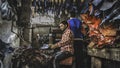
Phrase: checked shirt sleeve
[67,39]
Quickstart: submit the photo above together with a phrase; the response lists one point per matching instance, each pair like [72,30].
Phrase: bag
[6,11]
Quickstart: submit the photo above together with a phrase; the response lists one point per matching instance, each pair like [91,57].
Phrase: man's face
[62,26]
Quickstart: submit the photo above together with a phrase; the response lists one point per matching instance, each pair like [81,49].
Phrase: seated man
[65,45]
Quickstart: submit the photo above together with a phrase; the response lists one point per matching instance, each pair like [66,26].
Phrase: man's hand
[52,46]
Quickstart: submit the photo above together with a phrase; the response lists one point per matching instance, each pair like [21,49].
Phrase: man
[65,45]
[75,25]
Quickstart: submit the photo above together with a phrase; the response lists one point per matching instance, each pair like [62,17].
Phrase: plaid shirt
[66,43]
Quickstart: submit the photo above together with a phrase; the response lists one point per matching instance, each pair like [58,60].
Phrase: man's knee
[57,58]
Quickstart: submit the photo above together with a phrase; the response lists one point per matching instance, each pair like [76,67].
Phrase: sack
[6,11]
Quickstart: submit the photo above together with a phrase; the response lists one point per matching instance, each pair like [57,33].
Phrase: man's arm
[67,38]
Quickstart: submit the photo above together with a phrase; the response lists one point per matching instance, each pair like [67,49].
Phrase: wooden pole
[25,20]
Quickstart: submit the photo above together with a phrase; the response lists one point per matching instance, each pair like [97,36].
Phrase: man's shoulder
[68,30]
[76,19]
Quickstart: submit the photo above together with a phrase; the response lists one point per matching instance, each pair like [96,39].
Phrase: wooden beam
[96,62]
[25,20]
[106,53]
